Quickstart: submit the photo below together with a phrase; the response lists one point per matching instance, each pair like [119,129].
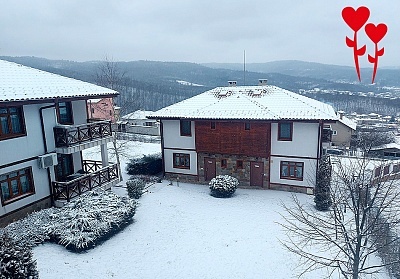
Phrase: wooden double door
[256,171]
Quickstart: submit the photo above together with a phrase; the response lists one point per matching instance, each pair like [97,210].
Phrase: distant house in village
[43,130]
[137,123]
[102,109]
[342,130]
[263,135]
[387,151]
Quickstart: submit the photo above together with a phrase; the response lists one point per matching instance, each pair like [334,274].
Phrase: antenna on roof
[244,67]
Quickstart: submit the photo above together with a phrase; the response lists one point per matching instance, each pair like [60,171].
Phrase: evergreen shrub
[322,193]
[135,188]
[16,260]
[148,165]
[223,186]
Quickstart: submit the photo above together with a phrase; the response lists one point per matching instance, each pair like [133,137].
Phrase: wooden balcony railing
[66,136]
[86,182]
[90,166]
[326,135]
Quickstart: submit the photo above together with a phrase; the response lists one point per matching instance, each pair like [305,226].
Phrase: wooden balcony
[326,135]
[71,135]
[94,176]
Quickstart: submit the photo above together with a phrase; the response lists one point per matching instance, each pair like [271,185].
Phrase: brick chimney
[262,82]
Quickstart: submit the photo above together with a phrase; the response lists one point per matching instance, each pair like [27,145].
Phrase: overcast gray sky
[192,30]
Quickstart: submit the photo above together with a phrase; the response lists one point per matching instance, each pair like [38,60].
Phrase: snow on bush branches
[135,187]
[79,225]
[92,217]
[223,186]
[16,260]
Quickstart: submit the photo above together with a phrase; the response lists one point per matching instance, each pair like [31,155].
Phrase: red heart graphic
[355,19]
[376,33]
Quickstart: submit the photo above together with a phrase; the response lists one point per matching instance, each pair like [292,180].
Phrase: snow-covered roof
[21,83]
[249,102]
[393,145]
[348,122]
[94,101]
[139,114]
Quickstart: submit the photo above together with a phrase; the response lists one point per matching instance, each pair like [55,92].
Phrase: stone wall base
[22,212]
[231,168]
[290,188]
[174,177]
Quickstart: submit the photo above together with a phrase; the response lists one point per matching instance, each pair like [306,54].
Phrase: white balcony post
[104,155]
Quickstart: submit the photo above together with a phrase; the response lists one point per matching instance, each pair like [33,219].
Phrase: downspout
[46,149]
[319,149]
[162,147]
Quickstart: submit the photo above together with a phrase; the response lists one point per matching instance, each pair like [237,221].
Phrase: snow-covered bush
[16,260]
[147,178]
[135,188]
[31,230]
[90,219]
[148,164]
[223,186]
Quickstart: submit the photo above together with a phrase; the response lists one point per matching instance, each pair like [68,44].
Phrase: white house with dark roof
[44,126]
[342,130]
[265,136]
[137,123]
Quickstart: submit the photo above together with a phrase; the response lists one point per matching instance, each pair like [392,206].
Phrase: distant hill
[155,72]
[151,85]
[385,77]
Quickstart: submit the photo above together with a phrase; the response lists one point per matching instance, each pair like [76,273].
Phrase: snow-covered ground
[180,231]
[183,232]
[183,82]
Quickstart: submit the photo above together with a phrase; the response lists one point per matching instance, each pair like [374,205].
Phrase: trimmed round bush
[223,186]
[135,188]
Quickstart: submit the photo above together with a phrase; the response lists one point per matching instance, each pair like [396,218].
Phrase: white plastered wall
[175,143]
[308,175]
[303,148]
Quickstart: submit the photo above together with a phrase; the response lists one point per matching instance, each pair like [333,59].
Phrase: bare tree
[109,75]
[346,238]
[367,140]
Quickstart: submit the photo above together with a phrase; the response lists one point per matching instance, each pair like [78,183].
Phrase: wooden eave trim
[54,99]
[243,120]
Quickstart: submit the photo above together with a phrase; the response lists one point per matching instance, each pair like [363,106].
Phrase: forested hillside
[151,85]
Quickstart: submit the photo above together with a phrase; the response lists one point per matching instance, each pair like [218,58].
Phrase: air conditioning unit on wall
[48,160]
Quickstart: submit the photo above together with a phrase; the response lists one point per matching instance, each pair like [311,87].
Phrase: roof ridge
[299,98]
[259,105]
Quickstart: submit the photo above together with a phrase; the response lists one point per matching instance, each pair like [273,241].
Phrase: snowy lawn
[183,232]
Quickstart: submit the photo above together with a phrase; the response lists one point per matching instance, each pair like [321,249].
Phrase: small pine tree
[135,188]
[322,193]
[16,261]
